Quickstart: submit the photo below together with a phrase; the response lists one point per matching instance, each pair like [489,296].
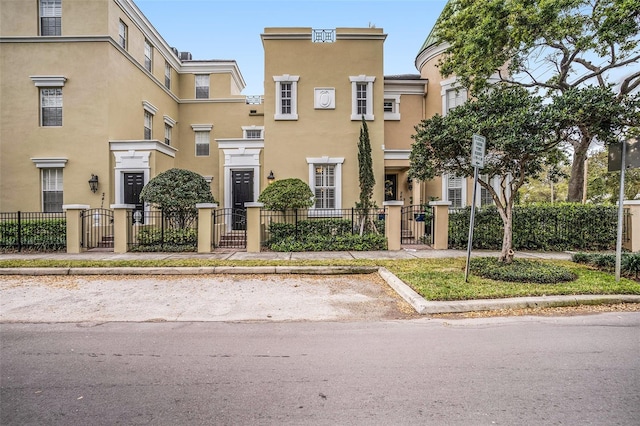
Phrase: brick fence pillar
[74,226]
[120,227]
[254,234]
[205,226]
[393,224]
[632,242]
[441,224]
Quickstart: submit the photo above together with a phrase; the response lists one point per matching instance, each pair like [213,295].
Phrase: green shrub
[36,234]
[171,239]
[629,262]
[543,226]
[520,270]
[291,193]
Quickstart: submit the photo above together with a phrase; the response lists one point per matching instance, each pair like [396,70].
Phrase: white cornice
[49,162]
[396,154]
[360,36]
[430,53]
[142,145]
[202,127]
[48,80]
[240,143]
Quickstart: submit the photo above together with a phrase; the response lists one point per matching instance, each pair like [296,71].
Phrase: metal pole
[620,211]
[471,221]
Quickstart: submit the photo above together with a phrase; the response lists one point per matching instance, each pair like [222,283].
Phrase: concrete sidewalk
[421,305]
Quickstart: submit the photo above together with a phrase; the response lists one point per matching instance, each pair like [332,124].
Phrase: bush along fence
[324,230]
[33,231]
[552,227]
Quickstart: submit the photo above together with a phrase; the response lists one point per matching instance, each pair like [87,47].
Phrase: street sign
[478,150]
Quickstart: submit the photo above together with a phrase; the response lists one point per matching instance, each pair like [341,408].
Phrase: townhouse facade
[95,103]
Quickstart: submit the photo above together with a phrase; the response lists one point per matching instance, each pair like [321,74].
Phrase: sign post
[477,161]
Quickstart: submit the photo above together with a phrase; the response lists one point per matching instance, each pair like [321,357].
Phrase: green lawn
[434,279]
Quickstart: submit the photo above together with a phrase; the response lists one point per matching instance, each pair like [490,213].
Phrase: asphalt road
[582,370]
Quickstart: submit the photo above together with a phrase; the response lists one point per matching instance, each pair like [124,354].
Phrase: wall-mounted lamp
[271,177]
[93,183]
[410,183]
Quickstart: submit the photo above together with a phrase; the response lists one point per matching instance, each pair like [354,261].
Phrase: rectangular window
[454,191]
[285,97]
[253,134]
[202,86]
[50,17]
[167,75]
[388,105]
[51,107]
[455,97]
[485,196]
[325,186]
[202,144]
[361,98]
[148,56]
[52,190]
[122,35]
[167,134]
[148,125]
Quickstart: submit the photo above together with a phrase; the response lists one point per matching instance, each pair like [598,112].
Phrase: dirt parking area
[199,298]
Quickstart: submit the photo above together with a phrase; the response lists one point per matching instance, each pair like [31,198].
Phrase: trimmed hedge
[520,270]
[172,240]
[324,235]
[550,227]
[36,234]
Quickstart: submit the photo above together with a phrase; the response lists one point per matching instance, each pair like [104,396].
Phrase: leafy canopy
[176,193]
[291,193]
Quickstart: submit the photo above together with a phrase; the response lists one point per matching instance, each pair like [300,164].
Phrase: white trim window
[52,189]
[167,75]
[148,55]
[202,86]
[123,32]
[485,198]
[51,106]
[252,132]
[148,125]
[362,97]
[168,130]
[202,139]
[50,17]
[286,97]
[325,178]
[452,95]
[454,190]
[392,107]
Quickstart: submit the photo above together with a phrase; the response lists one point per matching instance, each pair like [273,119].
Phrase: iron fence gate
[417,225]
[229,228]
[97,228]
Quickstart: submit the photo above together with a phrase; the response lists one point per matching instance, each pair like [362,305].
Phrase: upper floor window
[50,17]
[202,86]
[51,189]
[286,97]
[392,107]
[168,129]
[167,75]
[148,125]
[362,97]
[148,56]
[252,132]
[51,106]
[122,35]
[452,95]
[202,138]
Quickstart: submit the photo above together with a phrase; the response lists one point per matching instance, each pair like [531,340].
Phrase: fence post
[74,226]
[120,227]
[393,224]
[441,224]
[633,230]
[205,226]
[253,227]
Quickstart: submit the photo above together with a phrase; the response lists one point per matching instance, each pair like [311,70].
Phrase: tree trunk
[506,255]
[576,180]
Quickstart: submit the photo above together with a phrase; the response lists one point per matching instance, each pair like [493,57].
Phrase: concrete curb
[421,305]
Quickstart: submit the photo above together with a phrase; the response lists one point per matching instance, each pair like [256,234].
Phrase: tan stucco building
[91,88]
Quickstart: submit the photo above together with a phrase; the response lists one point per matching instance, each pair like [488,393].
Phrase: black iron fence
[155,231]
[35,231]
[539,227]
[417,225]
[323,229]
[97,228]
[229,228]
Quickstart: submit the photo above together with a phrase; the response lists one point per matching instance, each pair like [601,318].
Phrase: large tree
[520,142]
[555,45]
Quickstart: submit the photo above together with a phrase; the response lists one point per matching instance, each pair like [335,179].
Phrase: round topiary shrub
[520,270]
[291,193]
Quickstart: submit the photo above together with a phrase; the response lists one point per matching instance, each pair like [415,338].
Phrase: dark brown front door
[242,193]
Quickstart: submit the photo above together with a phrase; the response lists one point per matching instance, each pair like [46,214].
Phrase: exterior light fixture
[271,177]
[93,183]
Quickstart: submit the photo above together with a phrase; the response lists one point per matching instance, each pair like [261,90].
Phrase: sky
[230,29]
